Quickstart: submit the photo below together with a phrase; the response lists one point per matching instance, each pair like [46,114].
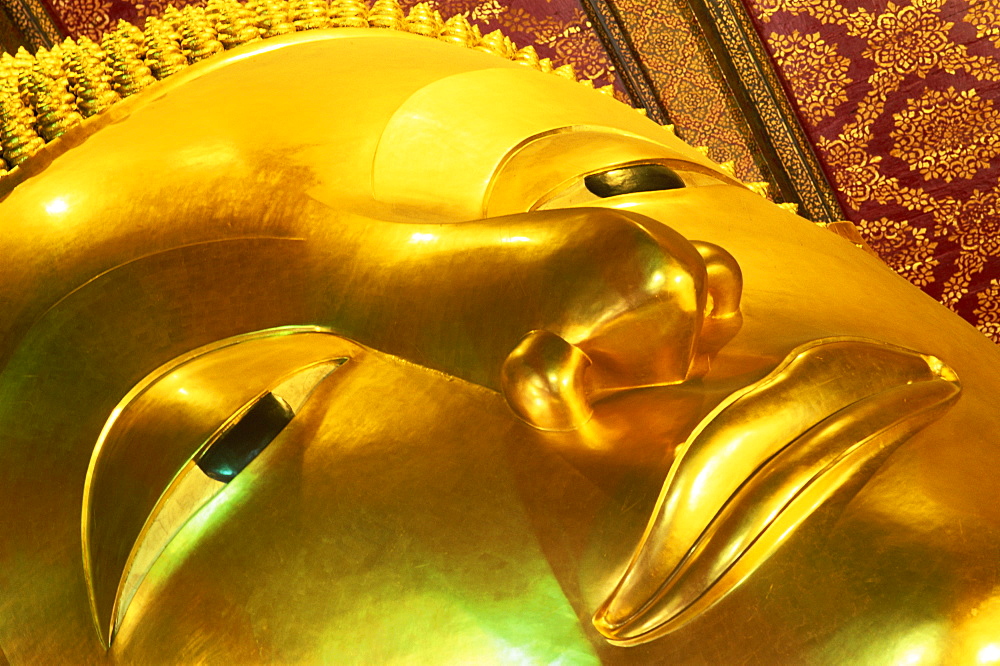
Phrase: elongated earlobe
[544,382]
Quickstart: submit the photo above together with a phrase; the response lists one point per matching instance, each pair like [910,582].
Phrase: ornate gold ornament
[351,345]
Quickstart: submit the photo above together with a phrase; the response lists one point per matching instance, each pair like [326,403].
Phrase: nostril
[709,305]
[725,280]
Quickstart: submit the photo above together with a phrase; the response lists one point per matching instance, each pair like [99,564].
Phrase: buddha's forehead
[389,123]
[443,122]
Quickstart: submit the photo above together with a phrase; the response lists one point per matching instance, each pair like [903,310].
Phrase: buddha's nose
[685,310]
[692,311]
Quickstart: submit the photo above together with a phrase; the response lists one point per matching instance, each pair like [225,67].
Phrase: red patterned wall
[902,102]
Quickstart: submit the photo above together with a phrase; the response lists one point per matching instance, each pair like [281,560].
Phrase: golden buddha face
[360,347]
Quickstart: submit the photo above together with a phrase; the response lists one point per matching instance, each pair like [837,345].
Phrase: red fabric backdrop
[902,102]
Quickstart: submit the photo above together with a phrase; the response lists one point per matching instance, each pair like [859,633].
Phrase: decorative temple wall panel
[901,104]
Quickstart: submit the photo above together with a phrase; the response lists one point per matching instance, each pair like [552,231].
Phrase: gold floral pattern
[985,17]
[907,39]
[816,73]
[947,134]
[855,171]
[687,79]
[988,310]
[974,225]
[765,9]
[546,29]
[907,249]
[914,150]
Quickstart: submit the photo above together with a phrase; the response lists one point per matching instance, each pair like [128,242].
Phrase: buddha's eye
[635,178]
[228,455]
[178,440]
[625,179]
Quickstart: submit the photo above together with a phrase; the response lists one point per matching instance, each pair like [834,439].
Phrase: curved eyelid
[578,191]
[241,440]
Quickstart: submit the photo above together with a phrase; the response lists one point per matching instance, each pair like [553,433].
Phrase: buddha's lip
[760,464]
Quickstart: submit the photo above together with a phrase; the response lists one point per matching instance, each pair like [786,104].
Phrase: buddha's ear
[178,439]
[544,381]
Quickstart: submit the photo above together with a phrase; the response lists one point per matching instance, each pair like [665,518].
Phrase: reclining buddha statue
[352,345]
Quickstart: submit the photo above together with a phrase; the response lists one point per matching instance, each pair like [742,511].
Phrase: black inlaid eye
[637,178]
[244,441]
